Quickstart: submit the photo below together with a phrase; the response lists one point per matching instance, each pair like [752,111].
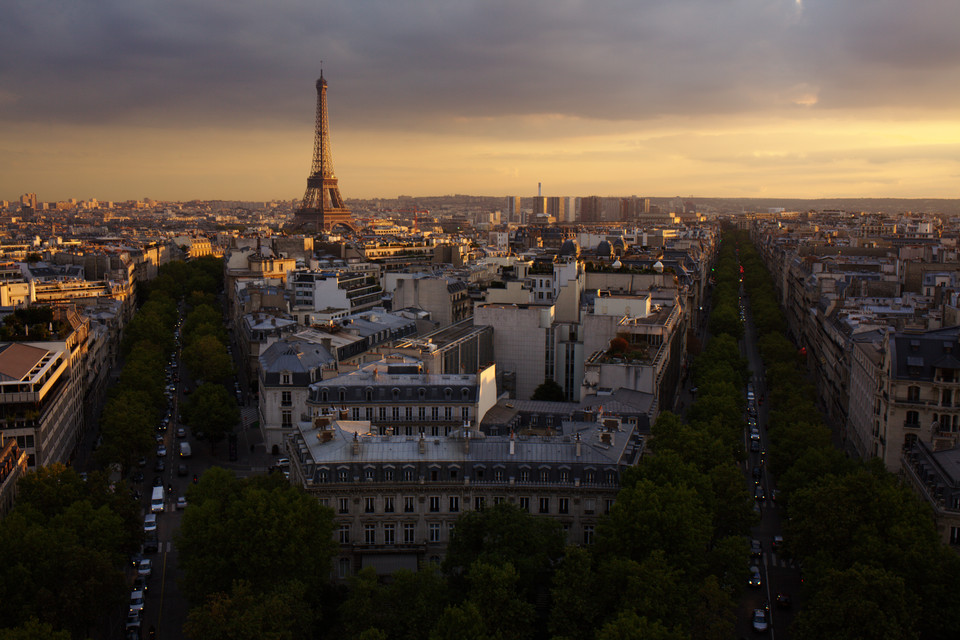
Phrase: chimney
[513,444]
[578,445]
[356,444]
[466,439]
[423,444]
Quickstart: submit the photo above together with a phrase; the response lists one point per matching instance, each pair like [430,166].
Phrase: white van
[185,451]
[156,502]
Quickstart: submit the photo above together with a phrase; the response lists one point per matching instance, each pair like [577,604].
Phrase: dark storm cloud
[396,63]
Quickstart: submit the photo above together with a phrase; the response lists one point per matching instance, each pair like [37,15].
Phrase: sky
[184,99]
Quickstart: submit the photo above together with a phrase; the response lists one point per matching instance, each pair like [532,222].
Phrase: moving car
[181,503]
[755,580]
[136,601]
[756,549]
[150,522]
[145,568]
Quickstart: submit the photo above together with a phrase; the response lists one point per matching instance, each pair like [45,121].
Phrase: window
[369,395]
[343,568]
[408,504]
[913,419]
[435,413]
[344,534]
[408,475]
[388,504]
[342,475]
[564,475]
[408,414]
[368,474]
[285,378]
[396,414]
[954,535]
[368,413]
[563,506]
[434,532]
[453,473]
[409,530]
[286,419]
[913,394]
[369,534]
[478,503]
[322,475]
[434,504]
[448,413]
[454,504]
[422,413]
[389,534]
[590,475]
[607,505]
[465,413]
[499,499]
[525,504]
[544,475]
[355,412]
[589,506]
[383,413]
[524,475]
[343,505]
[434,475]
[544,505]
[388,475]
[368,505]
[286,399]
[498,475]
[588,534]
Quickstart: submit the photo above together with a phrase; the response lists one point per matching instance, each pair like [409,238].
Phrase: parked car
[140,584]
[760,622]
[181,503]
[159,466]
[150,522]
[145,568]
[777,543]
[181,432]
[161,450]
[756,549]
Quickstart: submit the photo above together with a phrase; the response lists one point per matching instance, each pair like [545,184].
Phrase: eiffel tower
[322,206]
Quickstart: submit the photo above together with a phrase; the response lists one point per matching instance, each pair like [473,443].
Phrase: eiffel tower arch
[322,206]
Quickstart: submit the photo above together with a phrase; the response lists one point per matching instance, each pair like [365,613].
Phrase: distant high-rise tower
[322,207]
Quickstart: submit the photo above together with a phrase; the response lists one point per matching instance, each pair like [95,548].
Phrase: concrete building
[396,396]
[396,497]
[318,293]
[935,476]
[41,396]
[445,298]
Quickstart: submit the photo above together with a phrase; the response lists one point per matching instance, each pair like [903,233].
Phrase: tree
[207,358]
[244,614]
[549,391]
[649,517]
[260,529]
[401,609]
[505,534]
[860,602]
[33,629]
[212,410]
[629,626]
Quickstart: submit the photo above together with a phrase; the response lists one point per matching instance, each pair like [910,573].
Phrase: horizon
[747,100]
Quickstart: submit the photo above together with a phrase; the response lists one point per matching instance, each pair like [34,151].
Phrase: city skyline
[753,98]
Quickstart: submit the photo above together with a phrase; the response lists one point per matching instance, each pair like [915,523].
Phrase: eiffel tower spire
[322,205]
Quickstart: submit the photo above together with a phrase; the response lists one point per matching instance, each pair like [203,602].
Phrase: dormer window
[286,378]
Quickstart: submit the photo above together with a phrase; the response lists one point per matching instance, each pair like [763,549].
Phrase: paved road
[780,575]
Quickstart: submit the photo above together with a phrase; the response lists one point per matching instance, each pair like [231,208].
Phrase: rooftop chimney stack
[513,444]
[578,445]
[356,444]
